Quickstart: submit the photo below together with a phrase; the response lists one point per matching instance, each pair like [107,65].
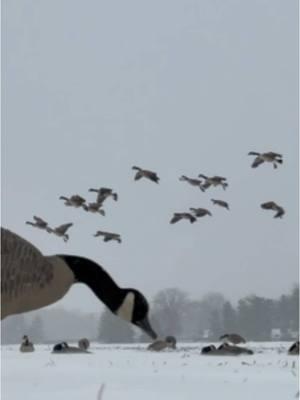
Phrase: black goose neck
[96,278]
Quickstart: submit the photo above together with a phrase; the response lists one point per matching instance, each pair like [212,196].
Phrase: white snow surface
[115,372]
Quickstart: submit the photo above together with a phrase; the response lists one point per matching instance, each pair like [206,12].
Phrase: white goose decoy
[31,281]
[73,201]
[270,157]
[61,230]
[39,223]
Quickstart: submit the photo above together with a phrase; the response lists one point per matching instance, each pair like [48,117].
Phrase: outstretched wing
[176,218]
[39,220]
[63,228]
[257,161]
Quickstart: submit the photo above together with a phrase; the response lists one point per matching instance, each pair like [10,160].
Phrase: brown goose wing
[23,270]
[257,161]
[63,228]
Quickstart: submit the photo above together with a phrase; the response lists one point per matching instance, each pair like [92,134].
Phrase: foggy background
[180,87]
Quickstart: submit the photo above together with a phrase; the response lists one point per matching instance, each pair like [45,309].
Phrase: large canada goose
[26,345]
[184,215]
[104,193]
[233,338]
[168,343]
[220,203]
[200,212]
[94,208]
[271,205]
[107,236]
[191,181]
[31,281]
[213,181]
[145,173]
[39,223]
[271,157]
[73,201]
[61,230]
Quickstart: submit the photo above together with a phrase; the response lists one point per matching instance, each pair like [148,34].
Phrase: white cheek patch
[125,310]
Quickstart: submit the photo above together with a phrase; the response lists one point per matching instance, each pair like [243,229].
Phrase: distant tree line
[173,312]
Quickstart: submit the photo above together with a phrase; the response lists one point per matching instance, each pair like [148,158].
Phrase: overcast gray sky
[91,88]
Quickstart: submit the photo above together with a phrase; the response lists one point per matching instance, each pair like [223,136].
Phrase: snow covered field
[131,372]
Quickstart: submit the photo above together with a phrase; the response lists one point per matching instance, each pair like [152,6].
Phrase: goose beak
[144,324]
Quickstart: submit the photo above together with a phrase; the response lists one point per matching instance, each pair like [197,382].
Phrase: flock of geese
[203,182]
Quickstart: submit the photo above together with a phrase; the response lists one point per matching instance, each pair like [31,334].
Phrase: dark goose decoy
[233,338]
[73,201]
[61,230]
[225,349]
[220,203]
[39,223]
[191,181]
[271,205]
[144,173]
[213,181]
[200,212]
[271,157]
[168,343]
[104,193]
[107,236]
[26,345]
[184,215]
[64,348]
[31,281]
[94,208]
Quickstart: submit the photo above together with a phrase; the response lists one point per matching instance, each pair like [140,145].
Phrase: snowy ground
[131,372]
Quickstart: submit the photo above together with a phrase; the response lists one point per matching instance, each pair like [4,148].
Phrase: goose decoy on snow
[271,157]
[220,203]
[168,343]
[94,208]
[200,212]
[191,181]
[184,215]
[61,230]
[64,348]
[73,201]
[26,345]
[271,205]
[225,349]
[104,193]
[39,223]
[213,181]
[107,236]
[294,349]
[144,173]
[233,338]
[31,281]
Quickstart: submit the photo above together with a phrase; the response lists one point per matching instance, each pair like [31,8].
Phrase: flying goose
[233,338]
[184,215]
[200,212]
[144,173]
[168,343]
[73,201]
[39,223]
[26,345]
[271,205]
[271,157]
[31,281]
[104,193]
[94,208]
[61,230]
[107,236]
[191,181]
[220,203]
[213,181]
